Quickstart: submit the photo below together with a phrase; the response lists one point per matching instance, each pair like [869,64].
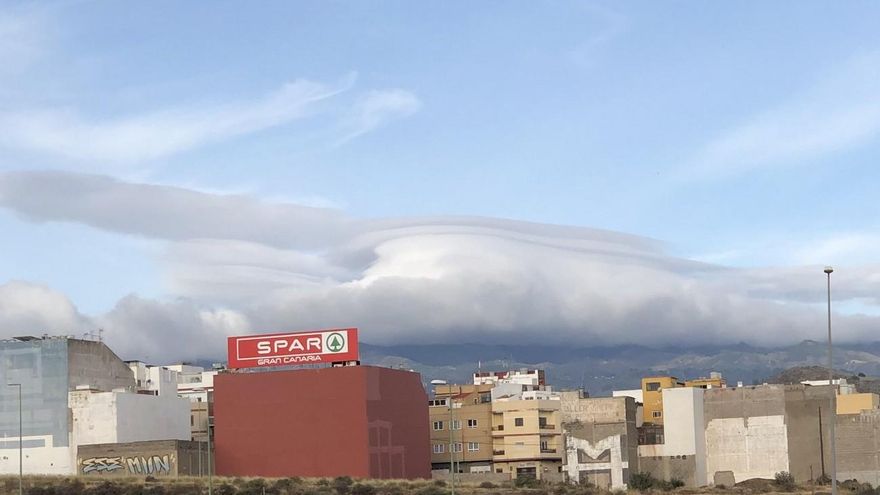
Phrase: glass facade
[41,366]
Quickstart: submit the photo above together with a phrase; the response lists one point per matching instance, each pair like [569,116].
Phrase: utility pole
[20,444]
[833,411]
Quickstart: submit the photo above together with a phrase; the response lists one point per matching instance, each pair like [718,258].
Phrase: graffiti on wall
[134,465]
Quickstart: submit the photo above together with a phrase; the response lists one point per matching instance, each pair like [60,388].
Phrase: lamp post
[828,271]
[20,449]
[451,438]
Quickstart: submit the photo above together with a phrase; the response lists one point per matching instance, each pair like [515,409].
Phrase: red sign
[283,349]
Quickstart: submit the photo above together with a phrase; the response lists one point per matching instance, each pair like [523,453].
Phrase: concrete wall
[156,458]
[802,416]
[601,441]
[746,431]
[94,364]
[120,417]
[858,447]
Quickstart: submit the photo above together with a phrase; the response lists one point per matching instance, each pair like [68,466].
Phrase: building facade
[157,458]
[74,393]
[601,439]
[527,437]
[461,428]
[359,421]
[652,397]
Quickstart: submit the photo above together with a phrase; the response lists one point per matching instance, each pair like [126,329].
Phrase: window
[652,386]
[437,402]
[517,421]
[542,422]
[192,421]
[473,446]
[439,448]
[544,445]
[656,414]
[438,425]
[455,447]
[456,424]
[472,423]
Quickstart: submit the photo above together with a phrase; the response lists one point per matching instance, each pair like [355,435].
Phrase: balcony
[498,428]
[497,452]
[547,427]
[548,451]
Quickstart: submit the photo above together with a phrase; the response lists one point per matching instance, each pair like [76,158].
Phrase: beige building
[527,436]
[856,403]
[463,433]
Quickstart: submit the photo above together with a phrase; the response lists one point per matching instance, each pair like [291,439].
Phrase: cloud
[376,109]
[148,136]
[22,39]
[838,113]
[33,309]
[238,264]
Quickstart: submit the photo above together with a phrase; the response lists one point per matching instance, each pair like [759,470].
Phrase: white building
[75,392]
[158,379]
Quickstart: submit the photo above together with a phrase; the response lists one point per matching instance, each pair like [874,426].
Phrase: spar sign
[280,349]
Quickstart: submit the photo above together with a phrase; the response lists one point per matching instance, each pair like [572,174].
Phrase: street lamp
[20,450]
[828,271]
[451,438]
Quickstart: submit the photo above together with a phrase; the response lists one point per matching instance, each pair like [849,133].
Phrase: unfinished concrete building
[756,432]
[601,441]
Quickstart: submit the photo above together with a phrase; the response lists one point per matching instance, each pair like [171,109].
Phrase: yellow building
[652,397]
[714,381]
[856,403]
[470,423]
[527,437]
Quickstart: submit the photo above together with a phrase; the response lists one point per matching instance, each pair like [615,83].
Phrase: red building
[360,421]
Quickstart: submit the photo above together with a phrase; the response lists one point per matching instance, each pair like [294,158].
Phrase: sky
[579,173]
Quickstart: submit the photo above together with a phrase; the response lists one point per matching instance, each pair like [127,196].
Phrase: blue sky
[742,136]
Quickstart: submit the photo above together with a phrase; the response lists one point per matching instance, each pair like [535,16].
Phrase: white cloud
[149,136]
[413,280]
[838,113]
[376,109]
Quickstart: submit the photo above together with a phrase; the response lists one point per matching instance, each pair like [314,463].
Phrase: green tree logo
[335,342]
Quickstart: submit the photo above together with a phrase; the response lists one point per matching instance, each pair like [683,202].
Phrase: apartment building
[527,435]
[652,396]
[461,428]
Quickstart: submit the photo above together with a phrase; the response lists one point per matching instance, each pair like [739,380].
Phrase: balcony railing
[498,428]
[548,451]
[547,427]
[497,452]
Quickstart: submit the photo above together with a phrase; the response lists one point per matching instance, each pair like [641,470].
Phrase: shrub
[70,487]
[488,484]
[641,481]
[105,488]
[391,489]
[432,490]
[784,480]
[526,482]
[342,484]
[225,489]
[362,489]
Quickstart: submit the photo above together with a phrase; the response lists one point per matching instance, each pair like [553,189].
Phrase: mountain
[602,369]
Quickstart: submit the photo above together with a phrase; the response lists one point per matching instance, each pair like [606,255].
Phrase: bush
[362,489]
[785,480]
[105,488]
[641,481]
[526,482]
[342,484]
[225,489]
[488,484]
[432,490]
[391,489]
